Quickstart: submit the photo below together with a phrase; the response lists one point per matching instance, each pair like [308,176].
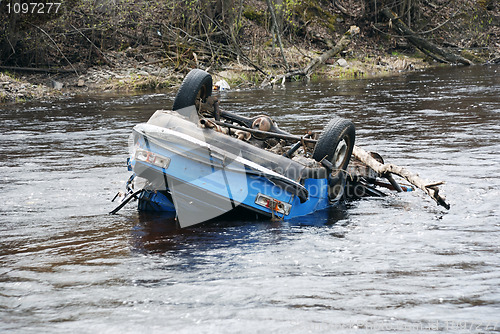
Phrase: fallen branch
[343,10]
[427,47]
[430,189]
[36,69]
[313,64]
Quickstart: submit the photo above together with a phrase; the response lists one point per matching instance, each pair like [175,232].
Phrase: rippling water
[393,264]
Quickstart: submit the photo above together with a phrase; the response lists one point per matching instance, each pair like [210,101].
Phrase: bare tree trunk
[409,9]
[278,33]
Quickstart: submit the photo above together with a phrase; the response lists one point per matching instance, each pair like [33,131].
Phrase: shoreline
[129,75]
[145,46]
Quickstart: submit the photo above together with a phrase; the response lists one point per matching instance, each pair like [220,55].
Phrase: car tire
[196,85]
[335,144]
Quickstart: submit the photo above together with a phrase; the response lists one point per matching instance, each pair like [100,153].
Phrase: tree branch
[278,33]
[430,188]
[74,69]
[313,64]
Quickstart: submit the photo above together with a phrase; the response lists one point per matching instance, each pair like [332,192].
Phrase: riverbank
[129,74]
[139,46]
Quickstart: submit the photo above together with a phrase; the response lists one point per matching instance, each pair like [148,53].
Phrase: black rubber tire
[337,131]
[196,82]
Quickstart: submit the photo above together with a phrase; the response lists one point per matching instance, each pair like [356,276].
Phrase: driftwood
[427,47]
[313,64]
[430,189]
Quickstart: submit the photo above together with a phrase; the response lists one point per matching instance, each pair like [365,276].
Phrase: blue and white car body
[200,174]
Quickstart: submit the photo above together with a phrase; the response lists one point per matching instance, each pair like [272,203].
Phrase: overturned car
[201,162]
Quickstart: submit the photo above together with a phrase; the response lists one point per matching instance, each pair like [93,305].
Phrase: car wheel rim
[340,154]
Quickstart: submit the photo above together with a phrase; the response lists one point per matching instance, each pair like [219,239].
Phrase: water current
[396,264]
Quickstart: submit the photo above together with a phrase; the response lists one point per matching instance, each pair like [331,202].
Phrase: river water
[397,264]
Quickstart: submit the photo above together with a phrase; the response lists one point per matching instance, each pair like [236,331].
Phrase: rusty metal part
[267,134]
[249,122]
[297,145]
[243,135]
[211,108]
[262,123]
[209,124]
